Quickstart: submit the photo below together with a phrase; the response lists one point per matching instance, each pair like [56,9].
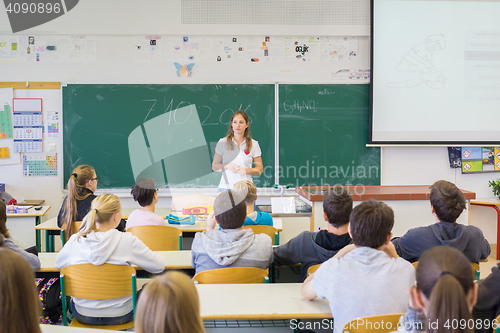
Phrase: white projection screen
[435,72]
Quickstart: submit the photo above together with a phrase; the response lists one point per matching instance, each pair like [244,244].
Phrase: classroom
[130,44]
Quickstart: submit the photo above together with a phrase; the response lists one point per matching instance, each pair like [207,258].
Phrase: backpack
[49,292]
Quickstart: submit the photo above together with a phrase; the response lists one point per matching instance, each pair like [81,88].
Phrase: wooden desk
[67,329]
[259,301]
[172,260]
[51,224]
[495,204]
[20,226]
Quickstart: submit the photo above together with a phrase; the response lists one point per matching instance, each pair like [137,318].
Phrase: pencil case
[202,210]
[172,219]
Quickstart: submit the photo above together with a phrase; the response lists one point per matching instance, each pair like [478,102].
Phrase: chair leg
[64,305]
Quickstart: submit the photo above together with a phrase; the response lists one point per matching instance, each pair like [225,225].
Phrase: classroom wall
[116,64]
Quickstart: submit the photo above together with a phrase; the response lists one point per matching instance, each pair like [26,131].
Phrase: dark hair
[3,220]
[230,209]
[246,135]
[444,275]
[448,201]
[371,222]
[337,204]
[144,191]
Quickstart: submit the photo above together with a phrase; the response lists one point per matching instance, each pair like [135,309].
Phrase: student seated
[98,242]
[312,248]
[365,278]
[19,303]
[488,296]
[31,258]
[169,304]
[444,294]
[447,203]
[249,190]
[232,246]
[144,192]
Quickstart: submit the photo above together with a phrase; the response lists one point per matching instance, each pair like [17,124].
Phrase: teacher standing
[236,152]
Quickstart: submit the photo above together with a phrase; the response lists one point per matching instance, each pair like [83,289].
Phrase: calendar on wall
[28,125]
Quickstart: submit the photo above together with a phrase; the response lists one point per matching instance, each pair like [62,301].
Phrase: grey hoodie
[231,248]
[111,247]
[466,238]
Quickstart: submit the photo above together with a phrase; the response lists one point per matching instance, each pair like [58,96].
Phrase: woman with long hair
[31,258]
[98,242]
[236,152]
[20,307]
[444,294]
[169,304]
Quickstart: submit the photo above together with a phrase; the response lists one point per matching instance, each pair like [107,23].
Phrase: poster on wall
[480,159]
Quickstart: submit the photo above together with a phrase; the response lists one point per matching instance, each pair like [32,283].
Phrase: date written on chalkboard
[291,106]
[224,118]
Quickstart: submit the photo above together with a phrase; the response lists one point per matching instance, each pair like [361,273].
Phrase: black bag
[49,292]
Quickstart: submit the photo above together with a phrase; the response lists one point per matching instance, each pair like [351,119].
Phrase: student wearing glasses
[81,187]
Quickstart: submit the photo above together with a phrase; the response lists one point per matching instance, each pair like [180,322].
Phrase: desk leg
[47,241]
[38,237]
[498,226]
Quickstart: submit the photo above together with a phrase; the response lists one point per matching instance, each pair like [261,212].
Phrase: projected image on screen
[435,72]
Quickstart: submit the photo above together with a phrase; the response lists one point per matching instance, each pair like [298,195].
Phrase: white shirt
[237,156]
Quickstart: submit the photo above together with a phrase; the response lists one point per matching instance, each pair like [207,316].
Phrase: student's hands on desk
[211,221]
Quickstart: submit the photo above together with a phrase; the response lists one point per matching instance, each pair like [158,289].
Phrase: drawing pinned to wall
[4,152]
[480,159]
[44,164]
[339,49]
[6,123]
[417,66]
[302,49]
[9,50]
[148,49]
[351,74]
[52,124]
[184,70]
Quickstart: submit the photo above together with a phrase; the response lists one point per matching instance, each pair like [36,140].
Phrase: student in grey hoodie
[98,242]
[447,203]
[232,246]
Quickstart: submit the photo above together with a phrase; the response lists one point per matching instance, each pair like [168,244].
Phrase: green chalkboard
[323,134]
[167,132]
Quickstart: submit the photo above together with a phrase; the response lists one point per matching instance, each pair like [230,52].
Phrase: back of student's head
[444,275]
[247,189]
[19,303]
[448,201]
[76,182]
[144,191]
[3,220]
[230,209]
[371,223]
[102,210]
[169,304]
[337,205]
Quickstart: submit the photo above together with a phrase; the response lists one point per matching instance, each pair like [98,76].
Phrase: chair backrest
[475,269]
[312,269]
[66,233]
[158,237]
[498,325]
[373,324]
[232,275]
[265,229]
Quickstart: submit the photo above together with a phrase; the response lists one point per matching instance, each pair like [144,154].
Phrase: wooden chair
[312,269]
[373,324]
[97,283]
[232,275]
[158,237]
[498,323]
[266,229]
[475,269]
[64,233]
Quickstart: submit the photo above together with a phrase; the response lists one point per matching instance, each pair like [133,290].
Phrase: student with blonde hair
[19,303]
[31,258]
[249,191]
[169,304]
[98,242]
[444,294]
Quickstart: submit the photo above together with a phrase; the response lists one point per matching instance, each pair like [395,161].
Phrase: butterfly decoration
[183,70]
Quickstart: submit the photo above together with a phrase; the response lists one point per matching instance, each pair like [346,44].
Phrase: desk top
[486,201]
[172,260]
[32,212]
[382,193]
[67,329]
[259,301]
[51,224]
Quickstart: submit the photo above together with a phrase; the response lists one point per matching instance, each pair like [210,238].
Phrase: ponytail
[444,276]
[76,182]
[102,210]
